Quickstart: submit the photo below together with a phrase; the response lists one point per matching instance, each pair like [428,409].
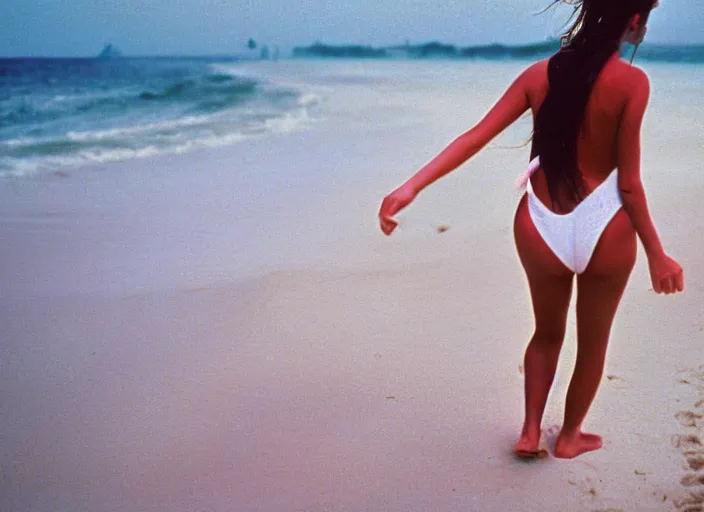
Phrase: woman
[579,215]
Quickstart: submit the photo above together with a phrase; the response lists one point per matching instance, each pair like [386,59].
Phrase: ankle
[530,431]
[570,432]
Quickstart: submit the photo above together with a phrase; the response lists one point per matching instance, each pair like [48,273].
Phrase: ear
[635,23]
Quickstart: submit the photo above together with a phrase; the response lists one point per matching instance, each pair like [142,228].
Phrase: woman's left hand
[392,204]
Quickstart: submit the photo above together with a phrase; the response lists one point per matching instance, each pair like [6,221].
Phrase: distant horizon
[286,51]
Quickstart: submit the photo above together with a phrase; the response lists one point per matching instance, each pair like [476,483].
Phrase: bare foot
[570,447]
[531,447]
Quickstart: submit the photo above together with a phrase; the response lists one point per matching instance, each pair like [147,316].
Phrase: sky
[76,28]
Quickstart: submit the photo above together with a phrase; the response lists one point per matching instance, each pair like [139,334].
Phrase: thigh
[536,256]
[615,253]
[601,286]
[549,279]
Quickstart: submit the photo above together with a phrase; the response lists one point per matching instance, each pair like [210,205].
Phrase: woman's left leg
[551,289]
[599,292]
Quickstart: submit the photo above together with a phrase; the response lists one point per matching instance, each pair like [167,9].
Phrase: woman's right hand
[666,274]
[392,204]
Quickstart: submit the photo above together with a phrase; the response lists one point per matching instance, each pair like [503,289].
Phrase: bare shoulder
[631,79]
[537,71]
[535,77]
[638,74]
[639,81]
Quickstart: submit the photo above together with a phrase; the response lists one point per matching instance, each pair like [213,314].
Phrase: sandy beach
[229,330]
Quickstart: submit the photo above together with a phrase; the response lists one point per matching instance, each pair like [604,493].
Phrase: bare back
[597,149]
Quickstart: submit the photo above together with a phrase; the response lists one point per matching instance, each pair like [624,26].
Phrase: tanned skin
[609,139]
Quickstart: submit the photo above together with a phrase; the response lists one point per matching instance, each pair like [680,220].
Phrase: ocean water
[60,113]
[64,113]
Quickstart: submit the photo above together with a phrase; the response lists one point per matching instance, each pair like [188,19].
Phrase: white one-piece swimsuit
[573,237]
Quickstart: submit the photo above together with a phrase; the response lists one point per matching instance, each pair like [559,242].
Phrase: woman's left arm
[514,102]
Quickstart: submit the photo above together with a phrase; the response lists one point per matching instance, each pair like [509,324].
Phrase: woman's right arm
[666,274]
[514,102]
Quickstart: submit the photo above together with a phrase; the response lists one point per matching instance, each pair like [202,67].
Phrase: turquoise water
[57,113]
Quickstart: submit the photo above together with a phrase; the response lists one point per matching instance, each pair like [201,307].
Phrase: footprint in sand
[688,418]
[692,479]
[551,434]
[691,446]
[687,441]
[590,493]
[553,430]
[695,460]
[692,503]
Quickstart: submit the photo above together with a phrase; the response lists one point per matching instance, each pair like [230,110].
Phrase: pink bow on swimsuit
[522,180]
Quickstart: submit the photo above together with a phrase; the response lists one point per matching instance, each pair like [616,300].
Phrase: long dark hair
[591,40]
